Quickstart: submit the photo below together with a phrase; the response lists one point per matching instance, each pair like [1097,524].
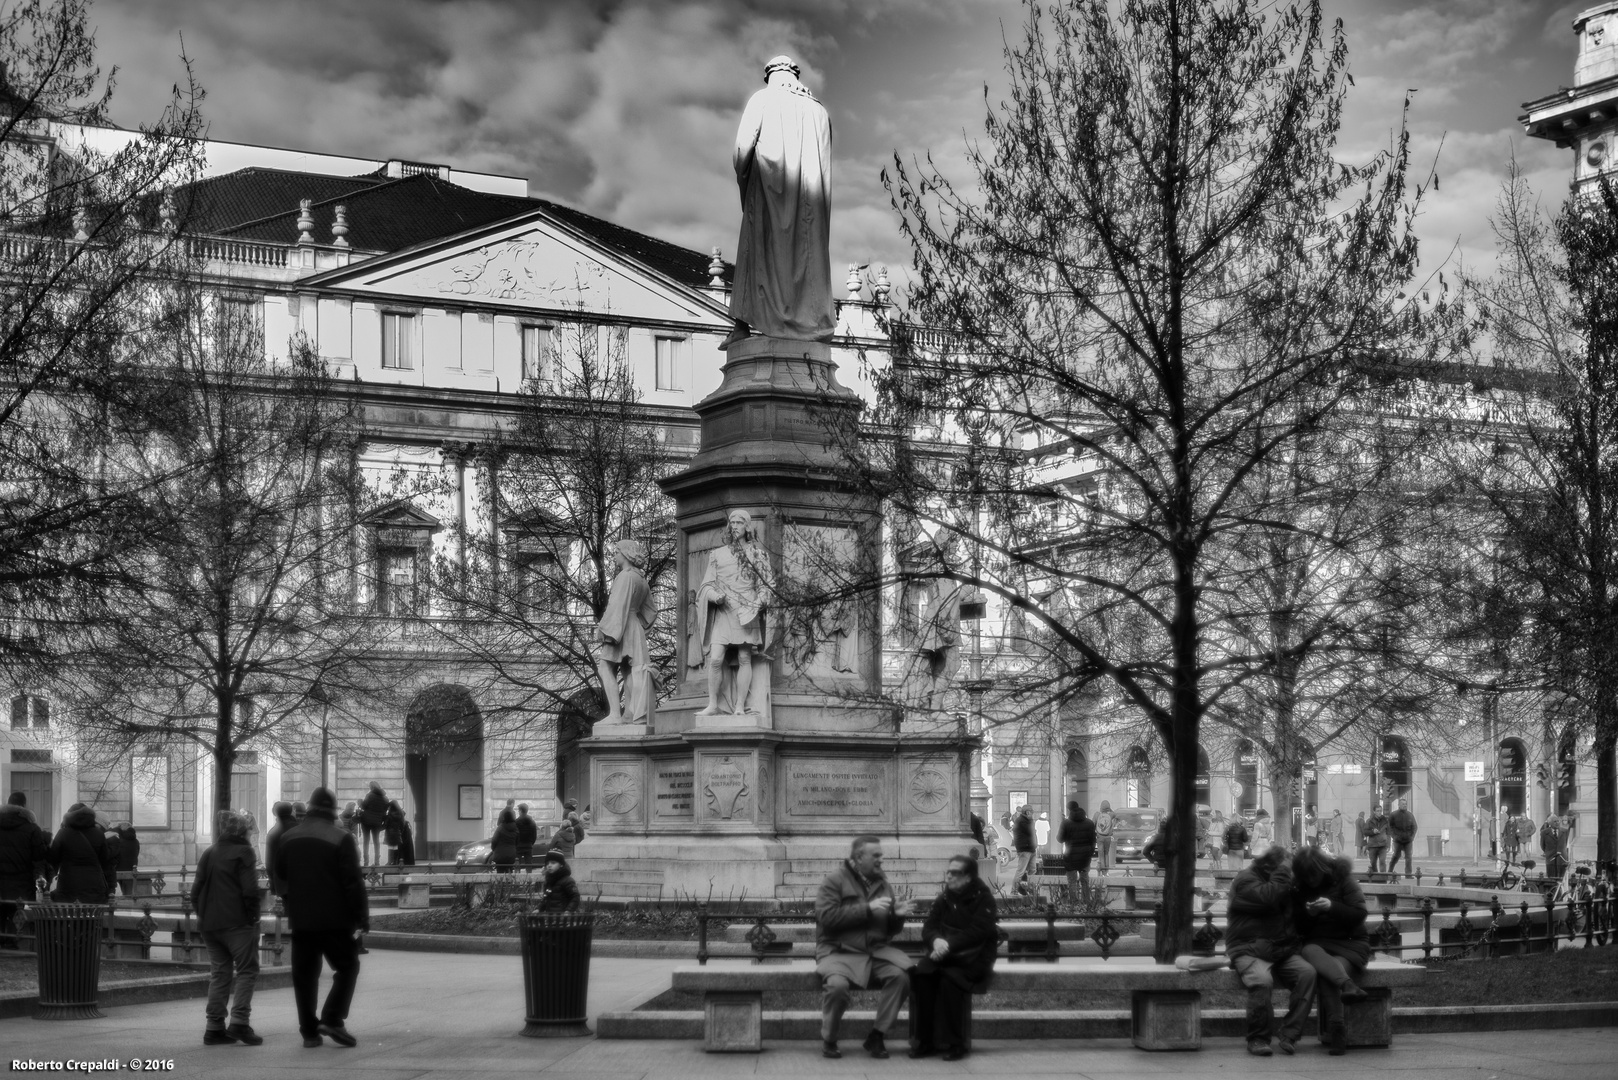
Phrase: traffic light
[1542,775]
[1566,774]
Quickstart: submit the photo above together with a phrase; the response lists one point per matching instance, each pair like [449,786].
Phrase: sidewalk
[442,1015]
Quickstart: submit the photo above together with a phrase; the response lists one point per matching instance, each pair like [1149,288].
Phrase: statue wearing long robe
[623,624]
[782,286]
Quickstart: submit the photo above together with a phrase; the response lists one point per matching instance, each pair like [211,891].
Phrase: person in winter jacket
[856,917]
[527,836]
[960,935]
[1156,848]
[128,856]
[401,841]
[86,870]
[1236,839]
[282,812]
[1105,822]
[561,892]
[226,897]
[1022,838]
[1376,838]
[349,819]
[1264,831]
[1330,917]
[1263,946]
[503,844]
[373,819]
[23,852]
[1078,840]
[1402,831]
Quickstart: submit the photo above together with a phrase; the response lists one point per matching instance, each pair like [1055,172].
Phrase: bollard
[556,973]
[67,947]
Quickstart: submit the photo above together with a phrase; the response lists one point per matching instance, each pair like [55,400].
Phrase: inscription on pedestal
[673,785]
[725,786]
[854,789]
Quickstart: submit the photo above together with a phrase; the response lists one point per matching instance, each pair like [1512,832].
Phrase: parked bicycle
[1509,878]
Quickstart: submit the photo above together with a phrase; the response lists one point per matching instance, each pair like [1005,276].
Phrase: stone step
[826,866]
[632,877]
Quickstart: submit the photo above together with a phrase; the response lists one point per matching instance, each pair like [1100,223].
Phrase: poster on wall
[471,802]
[149,792]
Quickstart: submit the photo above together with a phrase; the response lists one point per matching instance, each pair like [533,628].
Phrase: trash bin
[1435,846]
[67,944]
[556,972]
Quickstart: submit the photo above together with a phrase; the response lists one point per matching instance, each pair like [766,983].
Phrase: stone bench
[1165,1001]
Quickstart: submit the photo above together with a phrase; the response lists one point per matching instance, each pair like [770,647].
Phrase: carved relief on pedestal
[725,789]
[621,786]
[929,789]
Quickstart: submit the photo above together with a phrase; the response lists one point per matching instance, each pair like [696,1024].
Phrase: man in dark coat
[272,843]
[225,895]
[128,856]
[527,835]
[86,870]
[1402,831]
[325,901]
[1022,839]
[1078,840]
[23,851]
[960,936]
[856,917]
[1263,946]
[373,818]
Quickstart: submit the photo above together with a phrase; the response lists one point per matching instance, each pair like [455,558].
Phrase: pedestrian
[1376,838]
[299,812]
[1105,821]
[282,812]
[401,841]
[325,902]
[1216,838]
[1330,916]
[1263,831]
[1508,837]
[86,870]
[128,856]
[565,839]
[1156,848]
[1359,835]
[1022,838]
[1263,947]
[527,836]
[349,819]
[1336,833]
[1204,822]
[1235,838]
[226,899]
[856,918]
[571,815]
[960,936]
[1042,830]
[1078,840]
[1402,831]
[373,820]
[23,852]
[503,843]
[1553,842]
[561,891]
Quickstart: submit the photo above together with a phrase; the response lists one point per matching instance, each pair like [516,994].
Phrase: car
[1133,827]
[477,855]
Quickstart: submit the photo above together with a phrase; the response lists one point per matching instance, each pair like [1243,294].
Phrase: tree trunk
[224,759]
[1606,795]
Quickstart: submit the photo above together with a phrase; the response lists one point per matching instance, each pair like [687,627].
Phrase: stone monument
[775,746]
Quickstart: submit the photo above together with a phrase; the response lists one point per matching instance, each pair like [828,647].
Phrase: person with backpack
[1105,822]
[1236,838]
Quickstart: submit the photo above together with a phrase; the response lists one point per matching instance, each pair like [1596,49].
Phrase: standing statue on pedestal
[782,286]
[630,611]
[938,638]
[730,609]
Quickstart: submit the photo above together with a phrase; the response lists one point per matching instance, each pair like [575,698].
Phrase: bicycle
[1507,879]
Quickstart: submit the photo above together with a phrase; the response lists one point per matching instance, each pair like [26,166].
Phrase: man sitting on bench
[1263,947]
[855,920]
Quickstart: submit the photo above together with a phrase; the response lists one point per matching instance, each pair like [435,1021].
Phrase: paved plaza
[435,1015]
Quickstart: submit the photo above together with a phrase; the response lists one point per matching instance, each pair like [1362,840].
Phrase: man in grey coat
[856,917]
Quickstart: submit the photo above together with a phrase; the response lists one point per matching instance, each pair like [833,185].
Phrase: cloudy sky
[627,108]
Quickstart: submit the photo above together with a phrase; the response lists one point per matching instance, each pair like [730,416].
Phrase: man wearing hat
[623,624]
[318,864]
[226,897]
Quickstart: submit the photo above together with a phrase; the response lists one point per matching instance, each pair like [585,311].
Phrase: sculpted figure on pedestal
[629,612]
[938,637]
[730,609]
[782,159]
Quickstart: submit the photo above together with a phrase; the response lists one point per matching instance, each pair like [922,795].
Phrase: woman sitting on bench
[961,936]
[1331,919]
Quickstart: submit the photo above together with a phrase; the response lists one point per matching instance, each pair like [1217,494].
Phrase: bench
[1165,1001]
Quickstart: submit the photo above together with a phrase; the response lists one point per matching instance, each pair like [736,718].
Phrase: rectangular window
[398,340]
[668,363]
[539,585]
[29,711]
[238,333]
[149,791]
[536,354]
[396,582]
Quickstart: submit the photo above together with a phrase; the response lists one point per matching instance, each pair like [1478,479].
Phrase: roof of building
[387,214]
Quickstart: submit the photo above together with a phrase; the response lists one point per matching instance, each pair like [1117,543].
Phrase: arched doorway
[572,763]
[1246,785]
[1513,775]
[1567,772]
[1394,762]
[1078,779]
[1138,781]
[1202,784]
[444,770]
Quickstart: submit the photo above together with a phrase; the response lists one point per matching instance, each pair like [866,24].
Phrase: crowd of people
[88,859]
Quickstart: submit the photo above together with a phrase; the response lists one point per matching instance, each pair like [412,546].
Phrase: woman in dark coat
[86,870]
[561,892]
[503,844]
[1330,916]
[961,937]
[1078,838]
[400,839]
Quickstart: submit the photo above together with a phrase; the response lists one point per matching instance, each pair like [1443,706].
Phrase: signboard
[470,802]
[1474,771]
[830,788]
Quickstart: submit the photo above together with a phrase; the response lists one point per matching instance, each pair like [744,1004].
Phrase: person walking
[1235,838]
[23,851]
[503,844]
[373,820]
[226,898]
[1376,838]
[1078,840]
[1330,916]
[1022,837]
[1402,831]
[527,836]
[856,917]
[282,812]
[326,905]
[561,891]
[1359,835]
[86,870]
[1105,822]
[1335,833]
[1263,947]
[960,936]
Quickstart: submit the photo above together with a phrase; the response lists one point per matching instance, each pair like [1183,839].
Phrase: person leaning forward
[856,917]
[319,864]
[1263,947]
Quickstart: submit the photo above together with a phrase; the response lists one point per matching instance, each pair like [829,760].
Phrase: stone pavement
[445,1015]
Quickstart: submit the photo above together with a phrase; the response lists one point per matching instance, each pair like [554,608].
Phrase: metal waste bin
[1435,846]
[67,945]
[556,972]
